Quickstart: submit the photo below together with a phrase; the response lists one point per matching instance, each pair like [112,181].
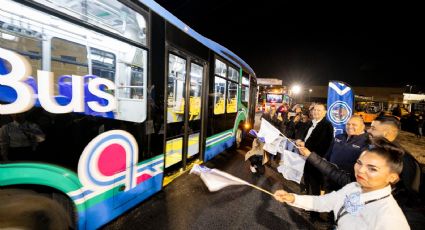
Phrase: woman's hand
[283,196]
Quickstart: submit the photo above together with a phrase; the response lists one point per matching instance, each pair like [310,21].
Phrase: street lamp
[296,89]
[410,88]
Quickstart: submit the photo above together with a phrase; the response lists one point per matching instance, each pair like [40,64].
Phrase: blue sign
[340,105]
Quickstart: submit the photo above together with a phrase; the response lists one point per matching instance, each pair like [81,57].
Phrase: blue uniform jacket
[345,153]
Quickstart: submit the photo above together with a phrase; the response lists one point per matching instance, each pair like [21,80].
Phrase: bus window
[220,68]
[176,88]
[109,15]
[137,82]
[195,91]
[131,79]
[245,91]
[219,95]
[68,58]
[66,49]
[26,43]
[103,63]
[233,74]
[232,96]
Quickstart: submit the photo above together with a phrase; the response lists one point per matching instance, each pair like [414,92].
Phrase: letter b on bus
[20,70]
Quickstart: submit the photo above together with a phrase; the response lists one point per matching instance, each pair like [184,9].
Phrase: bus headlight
[247,125]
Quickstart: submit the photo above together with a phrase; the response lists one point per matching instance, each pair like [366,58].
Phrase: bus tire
[239,137]
[22,209]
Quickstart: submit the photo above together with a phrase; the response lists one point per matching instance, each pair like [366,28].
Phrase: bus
[417,108]
[367,108]
[102,103]
[273,96]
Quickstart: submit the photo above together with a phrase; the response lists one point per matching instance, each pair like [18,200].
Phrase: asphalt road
[187,204]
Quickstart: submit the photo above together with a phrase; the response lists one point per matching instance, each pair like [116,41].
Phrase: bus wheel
[22,209]
[238,137]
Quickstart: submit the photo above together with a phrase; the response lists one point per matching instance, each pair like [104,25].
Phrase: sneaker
[253,170]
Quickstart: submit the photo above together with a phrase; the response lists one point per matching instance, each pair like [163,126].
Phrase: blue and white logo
[339,112]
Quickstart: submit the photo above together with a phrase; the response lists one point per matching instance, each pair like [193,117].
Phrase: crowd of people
[364,161]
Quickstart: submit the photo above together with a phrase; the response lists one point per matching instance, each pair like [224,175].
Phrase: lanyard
[341,214]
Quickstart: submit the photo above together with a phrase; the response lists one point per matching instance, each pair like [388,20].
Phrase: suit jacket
[321,137]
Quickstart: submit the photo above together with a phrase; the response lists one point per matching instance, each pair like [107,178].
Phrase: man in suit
[318,137]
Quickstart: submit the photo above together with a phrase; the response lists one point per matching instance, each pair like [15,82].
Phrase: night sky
[361,43]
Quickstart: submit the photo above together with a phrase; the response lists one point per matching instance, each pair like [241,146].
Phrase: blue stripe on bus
[216,149]
[150,166]
[81,195]
[223,136]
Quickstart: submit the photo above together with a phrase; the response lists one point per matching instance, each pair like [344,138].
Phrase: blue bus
[103,103]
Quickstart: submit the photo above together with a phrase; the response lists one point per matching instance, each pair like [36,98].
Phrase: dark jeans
[257,162]
[313,181]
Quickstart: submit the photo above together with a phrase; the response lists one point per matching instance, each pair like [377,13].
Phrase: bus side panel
[185,43]
[95,206]
[216,123]
[156,83]
[101,204]
[218,143]
[222,141]
[104,211]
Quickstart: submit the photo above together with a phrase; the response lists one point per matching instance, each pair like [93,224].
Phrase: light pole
[410,88]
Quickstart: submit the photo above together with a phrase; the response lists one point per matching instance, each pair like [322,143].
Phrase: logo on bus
[108,159]
[17,80]
[339,112]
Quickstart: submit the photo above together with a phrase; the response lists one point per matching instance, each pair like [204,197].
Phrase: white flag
[215,179]
[291,166]
[268,131]
[274,147]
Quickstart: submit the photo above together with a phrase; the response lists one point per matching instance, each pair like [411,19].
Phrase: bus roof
[223,51]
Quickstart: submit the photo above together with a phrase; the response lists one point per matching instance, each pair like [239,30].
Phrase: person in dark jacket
[290,126]
[420,124]
[302,126]
[346,148]
[318,137]
[389,127]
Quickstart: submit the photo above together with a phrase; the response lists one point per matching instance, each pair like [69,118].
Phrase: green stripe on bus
[41,174]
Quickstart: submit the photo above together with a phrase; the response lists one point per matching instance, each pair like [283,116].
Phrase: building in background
[415,102]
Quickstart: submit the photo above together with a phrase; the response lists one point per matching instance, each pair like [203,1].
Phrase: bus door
[185,78]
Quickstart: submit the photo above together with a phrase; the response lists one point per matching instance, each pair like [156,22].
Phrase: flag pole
[263,190]
[290,141]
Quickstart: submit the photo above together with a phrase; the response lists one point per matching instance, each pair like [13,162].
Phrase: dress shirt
[310,130]
[384,213]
